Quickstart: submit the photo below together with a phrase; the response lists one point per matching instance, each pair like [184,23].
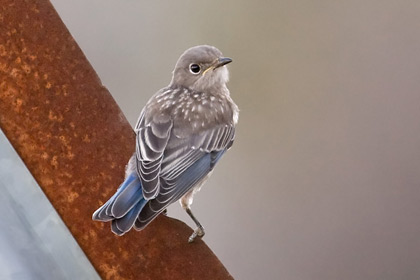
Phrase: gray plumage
[182,132]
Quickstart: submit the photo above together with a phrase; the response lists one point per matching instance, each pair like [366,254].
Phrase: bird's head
[201,69]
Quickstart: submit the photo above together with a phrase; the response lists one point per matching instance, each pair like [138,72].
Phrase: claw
[197,232]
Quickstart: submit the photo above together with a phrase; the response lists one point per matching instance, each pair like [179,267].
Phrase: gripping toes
[197,232]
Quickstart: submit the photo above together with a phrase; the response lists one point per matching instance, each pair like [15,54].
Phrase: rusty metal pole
[75,140]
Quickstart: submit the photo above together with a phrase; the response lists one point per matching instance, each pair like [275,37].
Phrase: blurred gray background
[323,181]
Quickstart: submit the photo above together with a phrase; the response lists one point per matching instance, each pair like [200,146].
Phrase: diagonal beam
[75,141]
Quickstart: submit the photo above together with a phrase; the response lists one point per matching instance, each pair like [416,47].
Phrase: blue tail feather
[124,206]
[121,226]
[127,198]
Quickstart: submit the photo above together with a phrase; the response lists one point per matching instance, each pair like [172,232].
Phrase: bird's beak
[219,63]
[222,61]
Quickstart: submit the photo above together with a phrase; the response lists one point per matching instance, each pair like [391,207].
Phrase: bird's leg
[186,202]
[199,231]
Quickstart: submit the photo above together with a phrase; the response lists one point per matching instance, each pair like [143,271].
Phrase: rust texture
[74,139]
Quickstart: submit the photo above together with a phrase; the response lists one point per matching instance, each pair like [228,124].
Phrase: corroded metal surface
[75,141]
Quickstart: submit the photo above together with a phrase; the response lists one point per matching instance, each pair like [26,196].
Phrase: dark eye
[195,68]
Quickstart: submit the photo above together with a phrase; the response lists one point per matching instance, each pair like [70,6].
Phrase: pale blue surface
[34,242]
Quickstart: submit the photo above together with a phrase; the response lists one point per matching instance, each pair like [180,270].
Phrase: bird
[182,132]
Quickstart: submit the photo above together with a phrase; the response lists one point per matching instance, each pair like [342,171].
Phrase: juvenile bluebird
[181,134]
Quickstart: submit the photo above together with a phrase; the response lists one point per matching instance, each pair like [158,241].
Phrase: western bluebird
[182,132]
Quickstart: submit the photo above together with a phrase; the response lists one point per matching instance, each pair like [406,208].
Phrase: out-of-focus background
[323,181]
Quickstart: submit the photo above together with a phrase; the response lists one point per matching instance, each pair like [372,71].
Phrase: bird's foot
[165,212]
[198,232]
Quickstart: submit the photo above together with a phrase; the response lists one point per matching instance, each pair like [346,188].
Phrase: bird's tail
[124,206]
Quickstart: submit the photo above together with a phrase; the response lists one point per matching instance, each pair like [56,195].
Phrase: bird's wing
[186,161]
[152,137]
[184,150]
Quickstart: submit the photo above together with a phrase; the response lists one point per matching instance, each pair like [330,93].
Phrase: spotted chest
[194,111]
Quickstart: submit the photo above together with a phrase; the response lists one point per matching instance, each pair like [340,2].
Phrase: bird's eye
[195,68]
